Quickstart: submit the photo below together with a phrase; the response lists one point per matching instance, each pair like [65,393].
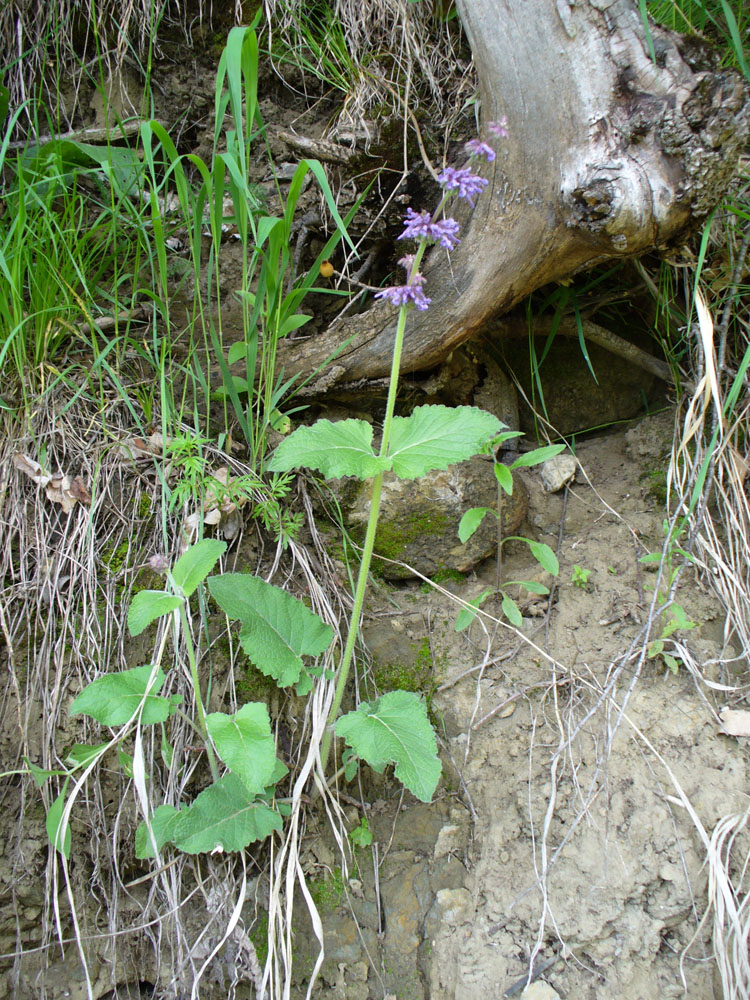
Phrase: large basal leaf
[196,563]
[147,606]
[161,825]
[245,744]
[113,699]
[395,730]
[277,629]
[225,817]
[436,437]
[343,448]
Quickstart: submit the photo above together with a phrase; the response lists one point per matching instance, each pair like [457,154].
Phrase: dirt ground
[560,838]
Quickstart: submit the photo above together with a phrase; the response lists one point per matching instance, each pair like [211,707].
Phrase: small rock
[540,991]
[558,472]
[455,906]
[450,839]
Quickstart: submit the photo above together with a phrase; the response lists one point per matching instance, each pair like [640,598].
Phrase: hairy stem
[369,543]
[197,690]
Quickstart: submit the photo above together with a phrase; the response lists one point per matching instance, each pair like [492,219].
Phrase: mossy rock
[419,519]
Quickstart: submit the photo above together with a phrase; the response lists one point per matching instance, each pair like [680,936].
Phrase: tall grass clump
[65,258]
[220,193]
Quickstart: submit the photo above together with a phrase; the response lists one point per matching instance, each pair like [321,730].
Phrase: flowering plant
[433,437]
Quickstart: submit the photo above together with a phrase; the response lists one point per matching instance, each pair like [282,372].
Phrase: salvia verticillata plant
[285,639]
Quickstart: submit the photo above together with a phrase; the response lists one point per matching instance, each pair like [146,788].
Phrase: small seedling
[580,577]
[361,835]
[678,620]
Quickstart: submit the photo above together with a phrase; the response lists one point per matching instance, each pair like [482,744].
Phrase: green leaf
[194,565]
[304,685]
[511,612]
[161,823]
[39,774]
[147,606]
[60,840]
[167,751]
[361,835]
[293,323]
[125,760]
[351,764]
[277,629]
[499,439]
[280,770]
[436,437]
[671,662]
[236,353]
[545,557]
[113,700]
[651,557]
[467,615]
[245,744]
[395,730]
[223,816]
[531,585]
[537,456]
[680,618]
[81,754]
[343,448]
[504,477]
[471,521]
[239,384]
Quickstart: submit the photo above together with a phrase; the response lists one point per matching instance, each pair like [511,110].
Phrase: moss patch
[419,674]
[392,539]
[328,892]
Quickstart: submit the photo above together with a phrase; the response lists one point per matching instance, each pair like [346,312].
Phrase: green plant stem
[499,566]
[197,689]
[369,542]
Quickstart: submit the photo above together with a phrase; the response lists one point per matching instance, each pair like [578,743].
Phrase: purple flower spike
[499,129]
[403,295]
[478,148]
[467,184]
[419,226]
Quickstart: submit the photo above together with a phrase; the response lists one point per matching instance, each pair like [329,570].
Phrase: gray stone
[558,472]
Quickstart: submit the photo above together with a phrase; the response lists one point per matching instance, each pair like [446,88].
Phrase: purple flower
[158,563]
[402,295]
[499,129]
[467,184]
[478,148]
[419,226]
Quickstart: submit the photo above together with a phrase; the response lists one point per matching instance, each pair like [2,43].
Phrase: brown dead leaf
[734,722]
[138,447]
[59,488]
[31,469]
[80,491]
[222,513]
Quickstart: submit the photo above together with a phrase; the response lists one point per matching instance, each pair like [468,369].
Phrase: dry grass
[67,579]
[402,58]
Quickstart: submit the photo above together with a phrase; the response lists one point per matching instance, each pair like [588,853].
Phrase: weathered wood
[610,155]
